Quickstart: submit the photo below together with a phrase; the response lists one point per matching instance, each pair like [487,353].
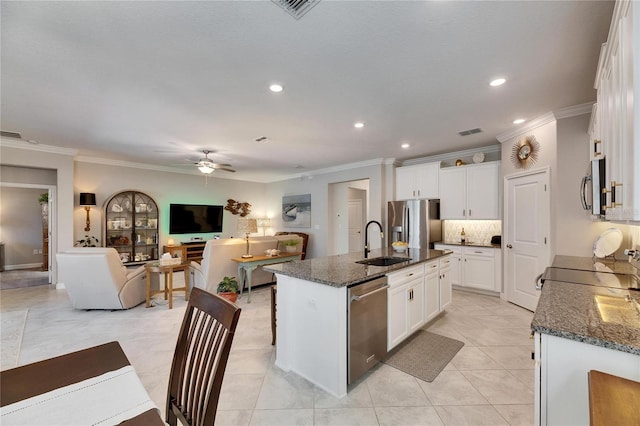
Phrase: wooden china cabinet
[132,226]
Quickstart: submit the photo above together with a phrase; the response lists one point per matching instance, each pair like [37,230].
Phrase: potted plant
[290,246]
[228,289]
[87,241]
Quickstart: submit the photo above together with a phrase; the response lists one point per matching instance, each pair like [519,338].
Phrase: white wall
[318,187]
[565,150]
[60,160]
[165,188]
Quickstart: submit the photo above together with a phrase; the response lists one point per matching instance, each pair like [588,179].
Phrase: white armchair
[95,278]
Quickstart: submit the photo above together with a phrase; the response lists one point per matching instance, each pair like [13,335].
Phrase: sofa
[95,278]
[216,259]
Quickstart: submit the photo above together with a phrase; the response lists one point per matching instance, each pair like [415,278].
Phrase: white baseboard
[23,266]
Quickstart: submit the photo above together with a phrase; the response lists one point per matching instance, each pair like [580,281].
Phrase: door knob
[509,246]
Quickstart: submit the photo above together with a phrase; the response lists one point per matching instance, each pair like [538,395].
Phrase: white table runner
[108,399]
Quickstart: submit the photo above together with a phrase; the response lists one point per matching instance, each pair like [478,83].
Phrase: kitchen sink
[383,261]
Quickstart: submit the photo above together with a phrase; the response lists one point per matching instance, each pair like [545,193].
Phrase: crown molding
[9,143]
[531,125]
[452,155]
[333,169]
[573,111]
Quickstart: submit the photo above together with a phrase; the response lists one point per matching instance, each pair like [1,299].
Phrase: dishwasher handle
[364,296]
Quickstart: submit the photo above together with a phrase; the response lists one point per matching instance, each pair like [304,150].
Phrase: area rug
[424,355]
[11,330]
[21,278]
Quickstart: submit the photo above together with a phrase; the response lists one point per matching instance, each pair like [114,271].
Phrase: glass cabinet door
[132,226]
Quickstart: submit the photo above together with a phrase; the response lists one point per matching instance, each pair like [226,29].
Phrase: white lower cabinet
[561,381]
[432,290]
[415,296]
[444,269]
[475,267]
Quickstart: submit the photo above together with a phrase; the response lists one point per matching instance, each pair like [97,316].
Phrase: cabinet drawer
[430,267]
[405,275]
[477,251]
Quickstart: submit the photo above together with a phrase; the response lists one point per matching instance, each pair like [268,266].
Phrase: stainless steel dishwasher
[367,326]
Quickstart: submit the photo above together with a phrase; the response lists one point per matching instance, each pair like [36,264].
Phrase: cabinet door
[432,291]
[483,199]
[479,272]
[452,193]
[405,183]
[446,266]
[427,177]
[397,329]
[415,303]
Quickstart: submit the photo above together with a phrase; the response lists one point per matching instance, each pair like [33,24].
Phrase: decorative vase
[230,296]
[290,249]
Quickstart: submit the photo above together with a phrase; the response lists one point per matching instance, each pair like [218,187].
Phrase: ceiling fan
[206,166]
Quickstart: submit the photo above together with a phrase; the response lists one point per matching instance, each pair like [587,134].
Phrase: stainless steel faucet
[366,236]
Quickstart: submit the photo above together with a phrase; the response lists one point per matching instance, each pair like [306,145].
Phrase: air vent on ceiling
[296,8]
[14,135]
[470,131]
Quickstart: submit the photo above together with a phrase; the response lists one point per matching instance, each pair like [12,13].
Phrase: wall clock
[525,152]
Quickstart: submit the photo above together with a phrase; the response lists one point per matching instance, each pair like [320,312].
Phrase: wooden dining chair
[200,359]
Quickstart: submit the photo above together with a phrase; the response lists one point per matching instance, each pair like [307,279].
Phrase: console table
[246,265]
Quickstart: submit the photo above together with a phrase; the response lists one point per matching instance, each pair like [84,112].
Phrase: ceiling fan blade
[225,169]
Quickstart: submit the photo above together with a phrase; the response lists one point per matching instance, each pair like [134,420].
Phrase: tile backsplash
[476,231]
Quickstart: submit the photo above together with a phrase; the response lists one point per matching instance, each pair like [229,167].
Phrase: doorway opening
[348,212]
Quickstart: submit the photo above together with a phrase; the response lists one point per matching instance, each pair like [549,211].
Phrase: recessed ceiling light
[518,121]
[405,145]
[276,88]
[358,125]
[497,82]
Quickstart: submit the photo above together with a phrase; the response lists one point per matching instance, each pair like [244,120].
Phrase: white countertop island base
[311,321]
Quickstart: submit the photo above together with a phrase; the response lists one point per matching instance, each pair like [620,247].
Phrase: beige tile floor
[489,382]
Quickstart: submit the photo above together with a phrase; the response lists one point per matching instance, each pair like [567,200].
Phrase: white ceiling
[155,82]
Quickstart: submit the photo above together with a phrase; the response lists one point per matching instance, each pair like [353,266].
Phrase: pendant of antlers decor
[236,207]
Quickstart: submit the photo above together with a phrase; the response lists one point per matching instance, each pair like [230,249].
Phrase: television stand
[190,250]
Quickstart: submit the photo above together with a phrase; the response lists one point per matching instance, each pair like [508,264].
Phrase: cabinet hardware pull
[409,275]
[464,212]
[509,246]
[469,212]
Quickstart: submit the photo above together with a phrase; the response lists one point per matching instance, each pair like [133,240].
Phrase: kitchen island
[312,311]
[579,328]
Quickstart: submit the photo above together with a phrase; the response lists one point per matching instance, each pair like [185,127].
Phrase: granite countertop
[597,315]
[470,244]
[341,270]
[593,264]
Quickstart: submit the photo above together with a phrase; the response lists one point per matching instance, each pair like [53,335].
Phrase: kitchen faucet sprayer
[366,236]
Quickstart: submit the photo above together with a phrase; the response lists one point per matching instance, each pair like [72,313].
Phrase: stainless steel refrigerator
[416,222]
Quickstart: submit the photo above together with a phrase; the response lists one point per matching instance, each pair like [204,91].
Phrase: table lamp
[87,199]
[247,226]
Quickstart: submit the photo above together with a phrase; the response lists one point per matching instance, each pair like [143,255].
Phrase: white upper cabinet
[614,129]
[419,181]
[470,192]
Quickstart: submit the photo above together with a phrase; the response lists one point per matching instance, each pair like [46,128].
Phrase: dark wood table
[613,400]
[34,379]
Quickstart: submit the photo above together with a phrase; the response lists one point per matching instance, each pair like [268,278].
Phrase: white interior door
[355,225]
[526,243]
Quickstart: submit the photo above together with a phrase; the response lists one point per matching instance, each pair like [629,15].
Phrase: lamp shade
[264,222]
[87,199]
[247,226]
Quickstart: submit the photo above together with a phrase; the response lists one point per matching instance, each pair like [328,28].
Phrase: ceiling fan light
[205,169]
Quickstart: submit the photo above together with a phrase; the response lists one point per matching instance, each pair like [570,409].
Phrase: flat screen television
[194,218]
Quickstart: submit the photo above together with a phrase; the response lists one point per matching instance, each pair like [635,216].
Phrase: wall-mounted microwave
[591,190]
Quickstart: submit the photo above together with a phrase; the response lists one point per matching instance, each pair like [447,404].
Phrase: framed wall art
[296,211]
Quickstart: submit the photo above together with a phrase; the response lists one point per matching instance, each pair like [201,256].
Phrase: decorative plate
[478,157]
[607,243]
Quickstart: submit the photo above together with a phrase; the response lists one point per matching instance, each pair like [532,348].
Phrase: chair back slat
[200,359]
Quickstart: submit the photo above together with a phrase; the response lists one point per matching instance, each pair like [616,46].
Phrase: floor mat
[424,355]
